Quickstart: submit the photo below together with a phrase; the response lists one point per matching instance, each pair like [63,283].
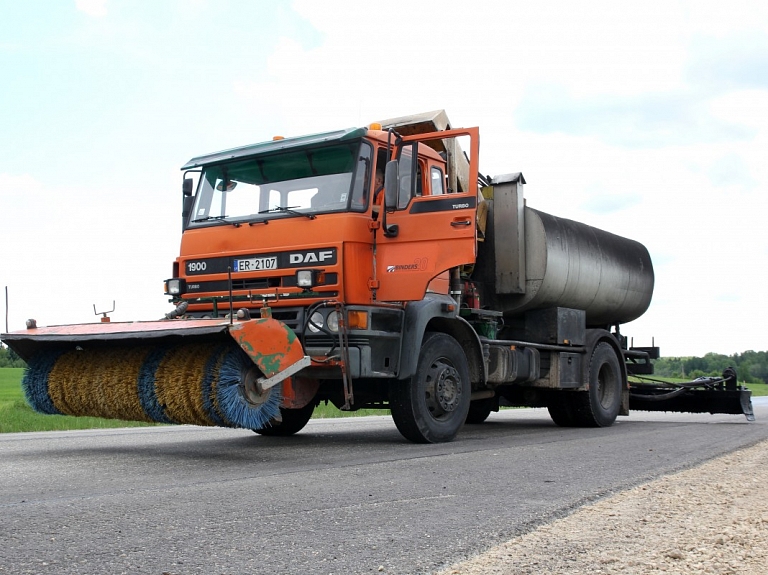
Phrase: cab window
[437,179]
[412,176]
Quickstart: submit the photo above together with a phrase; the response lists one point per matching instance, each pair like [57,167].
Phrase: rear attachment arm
[703,395]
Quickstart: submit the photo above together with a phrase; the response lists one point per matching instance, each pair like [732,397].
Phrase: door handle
[461,223]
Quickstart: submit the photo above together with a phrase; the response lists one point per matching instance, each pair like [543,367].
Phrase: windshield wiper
[289,210]
[208,218]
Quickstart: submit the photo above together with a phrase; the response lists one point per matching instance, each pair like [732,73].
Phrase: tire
[599,406]
[431,406]
[560,407]
[479,411]
[293,421]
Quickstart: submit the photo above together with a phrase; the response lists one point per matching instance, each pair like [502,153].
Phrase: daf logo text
[311,257]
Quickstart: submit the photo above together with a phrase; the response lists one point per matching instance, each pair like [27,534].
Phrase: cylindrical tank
[573,265]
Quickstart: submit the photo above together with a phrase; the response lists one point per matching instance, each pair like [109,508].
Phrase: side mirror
[186,209]
[187,187]
[391,184]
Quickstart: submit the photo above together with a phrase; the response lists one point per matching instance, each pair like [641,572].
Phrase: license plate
[256,264]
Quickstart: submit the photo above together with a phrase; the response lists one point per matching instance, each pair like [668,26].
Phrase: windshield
[293,183]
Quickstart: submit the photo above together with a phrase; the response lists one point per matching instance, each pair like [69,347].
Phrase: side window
[420,168]
[413,176]
[437,179]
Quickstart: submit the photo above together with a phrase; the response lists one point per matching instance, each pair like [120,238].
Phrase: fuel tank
[533,260]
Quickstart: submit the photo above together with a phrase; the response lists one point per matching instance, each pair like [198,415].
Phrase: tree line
[751,366]
[8,358]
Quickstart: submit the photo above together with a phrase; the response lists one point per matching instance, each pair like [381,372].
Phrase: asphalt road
[343,496]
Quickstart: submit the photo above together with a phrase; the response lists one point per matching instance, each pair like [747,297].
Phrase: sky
[647,120]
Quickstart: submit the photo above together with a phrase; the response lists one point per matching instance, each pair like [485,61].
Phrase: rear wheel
[599,406]
[293,421]
[560,408]
[431,406]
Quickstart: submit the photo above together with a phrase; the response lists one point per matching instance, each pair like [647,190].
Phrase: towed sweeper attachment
[702,395]
[200,372]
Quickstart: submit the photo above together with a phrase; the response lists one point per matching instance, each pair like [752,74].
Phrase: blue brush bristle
[35,382]
[234,407]
[209,376]
[146,386]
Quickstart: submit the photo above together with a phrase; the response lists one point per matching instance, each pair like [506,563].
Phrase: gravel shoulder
[711,519]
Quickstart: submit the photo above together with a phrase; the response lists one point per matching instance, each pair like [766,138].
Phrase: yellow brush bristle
[178,383]
[100,383]
[168,384]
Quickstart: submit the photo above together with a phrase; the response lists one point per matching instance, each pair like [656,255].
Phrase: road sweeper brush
[200,372]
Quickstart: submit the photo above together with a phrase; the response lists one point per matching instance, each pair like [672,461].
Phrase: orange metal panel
[298,392]
[271,344]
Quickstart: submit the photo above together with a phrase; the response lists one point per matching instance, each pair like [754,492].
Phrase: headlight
[333,321]
[316,322]
[174,286]
[306,278]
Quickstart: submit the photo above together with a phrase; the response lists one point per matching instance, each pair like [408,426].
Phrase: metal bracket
[264,383]
[104,316]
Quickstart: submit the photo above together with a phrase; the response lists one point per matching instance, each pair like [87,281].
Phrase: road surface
[343,496]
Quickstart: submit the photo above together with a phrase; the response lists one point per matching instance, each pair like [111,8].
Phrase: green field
[16,415]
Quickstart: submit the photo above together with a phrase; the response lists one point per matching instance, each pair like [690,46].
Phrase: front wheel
[432,405]
[293,421]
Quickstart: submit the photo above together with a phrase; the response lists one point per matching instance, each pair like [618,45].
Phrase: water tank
[566,264]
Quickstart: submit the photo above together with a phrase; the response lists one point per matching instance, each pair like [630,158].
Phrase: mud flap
[746,406]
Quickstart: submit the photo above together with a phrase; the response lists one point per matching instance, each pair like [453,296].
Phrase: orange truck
[374,268]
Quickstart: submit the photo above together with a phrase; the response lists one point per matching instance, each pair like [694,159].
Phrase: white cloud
[635,135]
[642,119]
[745,107]
[96,8]
[67,248]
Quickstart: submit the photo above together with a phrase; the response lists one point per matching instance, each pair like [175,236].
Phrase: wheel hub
[250,387]
[444,394]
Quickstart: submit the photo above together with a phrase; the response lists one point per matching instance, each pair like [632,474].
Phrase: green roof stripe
[274,146]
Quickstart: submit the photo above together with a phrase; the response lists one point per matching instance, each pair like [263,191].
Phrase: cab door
[434,233]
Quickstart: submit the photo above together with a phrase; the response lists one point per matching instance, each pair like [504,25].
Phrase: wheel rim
[606,386]
[443,389]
